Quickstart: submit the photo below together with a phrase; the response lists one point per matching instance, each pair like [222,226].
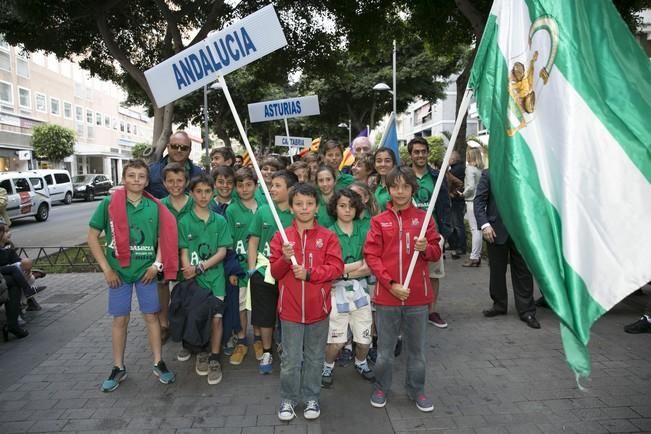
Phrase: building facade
[37,88]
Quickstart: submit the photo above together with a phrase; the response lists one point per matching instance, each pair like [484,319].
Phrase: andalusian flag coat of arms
[565,92]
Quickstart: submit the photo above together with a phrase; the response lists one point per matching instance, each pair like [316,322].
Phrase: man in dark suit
[501,251]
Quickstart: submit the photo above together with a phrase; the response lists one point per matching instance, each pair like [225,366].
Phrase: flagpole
[463,108]
[256,167]
[289,143]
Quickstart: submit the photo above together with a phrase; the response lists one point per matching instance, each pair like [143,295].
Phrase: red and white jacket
[388,251]
[318,250]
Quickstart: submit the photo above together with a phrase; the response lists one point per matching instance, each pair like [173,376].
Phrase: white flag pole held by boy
[463,108]
[245,138]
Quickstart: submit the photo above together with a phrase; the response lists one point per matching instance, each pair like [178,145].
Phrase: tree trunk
[162,129]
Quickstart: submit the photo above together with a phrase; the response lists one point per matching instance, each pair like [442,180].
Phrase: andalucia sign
[284,108]
[222,52]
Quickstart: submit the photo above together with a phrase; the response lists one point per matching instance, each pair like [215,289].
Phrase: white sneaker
[266,364]
[312,410]
[286,410]
[183,355]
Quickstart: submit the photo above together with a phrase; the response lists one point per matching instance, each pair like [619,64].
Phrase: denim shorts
[119,299]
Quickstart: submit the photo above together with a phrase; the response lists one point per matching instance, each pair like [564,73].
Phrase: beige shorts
[359,320]
[437,269]
[242,299]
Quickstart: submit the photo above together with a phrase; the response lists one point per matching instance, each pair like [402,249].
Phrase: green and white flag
[565,92]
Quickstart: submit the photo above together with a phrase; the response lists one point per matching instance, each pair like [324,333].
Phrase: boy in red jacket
[304,301]
[391,242]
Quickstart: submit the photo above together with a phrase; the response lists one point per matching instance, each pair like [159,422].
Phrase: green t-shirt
[203,239]
[167,201]
[239,218]
[264,227]
[352,246]
[343,181]
[425,190]
[382,196]
[143,237]
[322,217]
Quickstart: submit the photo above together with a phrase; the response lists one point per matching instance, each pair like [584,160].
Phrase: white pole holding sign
[463,108]
[256,167]
[237,45]
[291,157]
[284,108]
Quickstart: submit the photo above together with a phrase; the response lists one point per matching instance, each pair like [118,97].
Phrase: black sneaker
[365,371]
[642,325]
[32,305]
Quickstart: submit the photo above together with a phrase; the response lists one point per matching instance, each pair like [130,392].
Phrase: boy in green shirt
[224,182]
[204,237]
[333,154]
[264,295]
[239,216]
[175,180]
[142,220]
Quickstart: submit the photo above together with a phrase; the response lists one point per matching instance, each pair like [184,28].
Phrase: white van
[58,183]
[27,195]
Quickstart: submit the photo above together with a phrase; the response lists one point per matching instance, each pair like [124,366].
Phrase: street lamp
[385,87]
[214,86]
[348,125]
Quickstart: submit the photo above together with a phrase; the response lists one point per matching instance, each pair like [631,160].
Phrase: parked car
[58,184]
[91,185]
[27,195]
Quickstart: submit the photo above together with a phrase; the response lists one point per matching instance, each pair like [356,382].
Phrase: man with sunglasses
[178,151]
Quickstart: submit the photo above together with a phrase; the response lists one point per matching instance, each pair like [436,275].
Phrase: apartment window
[22,66]
[67,110]
[55,106]
[6,93]
[135,133]
[89,117]
[115,124]
[24,98]
[5,59]
[128,128]
[52,63]
[41,104]
[121,126]
[80,129]
[98,119]
[79,114]
[107,121]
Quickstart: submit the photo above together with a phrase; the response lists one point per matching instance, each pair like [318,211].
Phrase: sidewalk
[485,375]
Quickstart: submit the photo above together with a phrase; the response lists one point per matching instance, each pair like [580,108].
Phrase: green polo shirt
[425,191]
[203,239]
[365,222]
[239,218]
[382,196]
[143,237]
[344,180]
[263,226]
[322,217]
[167,201]
[352,246]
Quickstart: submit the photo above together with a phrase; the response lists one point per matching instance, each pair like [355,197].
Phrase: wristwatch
[158,265]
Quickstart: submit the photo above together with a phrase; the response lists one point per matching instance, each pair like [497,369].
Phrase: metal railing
[76,259]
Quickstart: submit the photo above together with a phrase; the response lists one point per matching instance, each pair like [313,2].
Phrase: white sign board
[222,52]
[24,155]
[284,108]
[294,142]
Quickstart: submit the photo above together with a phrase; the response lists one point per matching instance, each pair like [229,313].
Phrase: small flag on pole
[565,91]
[390,137]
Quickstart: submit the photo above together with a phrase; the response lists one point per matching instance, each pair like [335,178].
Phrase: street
[66,226]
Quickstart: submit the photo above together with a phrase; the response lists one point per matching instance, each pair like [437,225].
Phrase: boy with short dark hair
[204,237]
[305,301]
[333,154]
[179,203]
[268,167]
[134,255]
[239,216]
[224,182]
[222,157]
[264,291]
[390,244]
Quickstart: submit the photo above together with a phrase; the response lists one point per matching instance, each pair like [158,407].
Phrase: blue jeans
[302,343]
[389,321]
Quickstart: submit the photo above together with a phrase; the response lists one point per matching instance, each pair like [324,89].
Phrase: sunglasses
[183,148]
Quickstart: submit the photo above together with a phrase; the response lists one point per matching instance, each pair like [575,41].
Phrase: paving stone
[619,425]
[48,425]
